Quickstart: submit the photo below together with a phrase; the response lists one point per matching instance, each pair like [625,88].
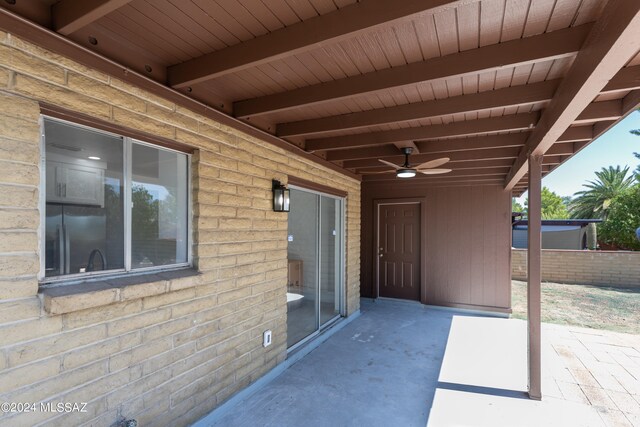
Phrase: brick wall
[599,268]
[169,352]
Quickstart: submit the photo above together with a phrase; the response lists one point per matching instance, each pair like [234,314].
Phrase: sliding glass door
[315,253]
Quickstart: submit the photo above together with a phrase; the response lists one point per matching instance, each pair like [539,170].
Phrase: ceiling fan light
[406,173]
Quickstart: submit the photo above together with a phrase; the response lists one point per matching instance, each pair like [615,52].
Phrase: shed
[556,234]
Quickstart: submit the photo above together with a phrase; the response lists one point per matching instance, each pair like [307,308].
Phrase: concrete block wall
[168,352]
[598,268]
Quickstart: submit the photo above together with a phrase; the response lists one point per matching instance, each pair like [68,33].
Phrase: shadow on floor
[385,368]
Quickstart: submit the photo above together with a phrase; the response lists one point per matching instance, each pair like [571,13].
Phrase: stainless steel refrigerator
[79,239]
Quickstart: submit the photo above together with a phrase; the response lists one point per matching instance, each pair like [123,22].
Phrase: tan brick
[19,219]
[250,280]
[136,388]
[65,380]
[207,197]
[18,129]
[16,241]
[18,151]
[208,313]
[66,303]
[100,350]
[137,354]
[217,134]
[105,313]
[47,55]
[12,266]
[207,263]
[52,345]
[165,359]
[249,169]
[123,325]
[20,309]
[19,107]
[15,378]
[216,286]
[100,90]
[31,65]
[215,211]
[4,78]
[235,177]
[252,257]
[214,186]
[172,118]
[142,123]
[144,290]
[141,93]
[177,282]
[166,328]
[18,288]
[63,97]
[168,298]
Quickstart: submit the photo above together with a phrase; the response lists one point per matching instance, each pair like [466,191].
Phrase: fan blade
[433,163]
[433,171]
[375,173]
[389,164]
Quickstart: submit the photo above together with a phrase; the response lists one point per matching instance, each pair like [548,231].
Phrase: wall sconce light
[281,199]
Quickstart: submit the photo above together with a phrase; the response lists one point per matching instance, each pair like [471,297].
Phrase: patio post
[534,254]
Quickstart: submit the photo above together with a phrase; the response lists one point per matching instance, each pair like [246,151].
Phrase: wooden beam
[510,153]
[534,276]
[362,153]
[611,44]
[600,112]
[515,122]
[333,27]
[69,16]
[554,45]
[577,133]
[626,79]
[473,143]
[506,97]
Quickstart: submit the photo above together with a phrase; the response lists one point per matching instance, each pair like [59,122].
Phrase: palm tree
[594,202]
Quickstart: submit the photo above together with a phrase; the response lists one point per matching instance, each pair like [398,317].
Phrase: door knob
[380,255]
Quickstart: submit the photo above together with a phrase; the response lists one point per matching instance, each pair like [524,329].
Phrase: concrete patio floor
[405,364]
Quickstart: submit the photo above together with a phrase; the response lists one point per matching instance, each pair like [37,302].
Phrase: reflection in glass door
[315,263]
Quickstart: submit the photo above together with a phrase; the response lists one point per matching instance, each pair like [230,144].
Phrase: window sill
[96,293]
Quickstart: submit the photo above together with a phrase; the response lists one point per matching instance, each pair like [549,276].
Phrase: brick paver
[595,367]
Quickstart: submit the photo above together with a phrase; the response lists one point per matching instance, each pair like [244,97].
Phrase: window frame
[127,171]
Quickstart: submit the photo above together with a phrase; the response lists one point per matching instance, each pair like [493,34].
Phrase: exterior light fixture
[406,173]
[281,198]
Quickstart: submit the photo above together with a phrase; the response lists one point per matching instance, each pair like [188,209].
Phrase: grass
[614,309]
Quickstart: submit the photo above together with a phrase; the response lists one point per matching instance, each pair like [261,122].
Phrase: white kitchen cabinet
[75,184]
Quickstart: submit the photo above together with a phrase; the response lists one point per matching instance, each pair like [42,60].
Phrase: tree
[552,205]
[623,220]
[516,207]
[637,171]
[594,202]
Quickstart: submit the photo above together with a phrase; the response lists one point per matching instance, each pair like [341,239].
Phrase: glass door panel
[302,289]
[330,269]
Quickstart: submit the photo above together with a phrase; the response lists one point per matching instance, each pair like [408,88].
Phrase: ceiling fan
[408,171]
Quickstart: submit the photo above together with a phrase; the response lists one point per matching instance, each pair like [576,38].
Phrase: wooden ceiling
[484,82]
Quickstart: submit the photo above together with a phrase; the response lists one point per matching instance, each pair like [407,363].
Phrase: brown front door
[399,251]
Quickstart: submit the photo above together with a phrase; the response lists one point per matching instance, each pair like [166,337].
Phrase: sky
[615,147]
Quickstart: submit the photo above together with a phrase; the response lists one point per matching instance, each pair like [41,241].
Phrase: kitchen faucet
[90,266]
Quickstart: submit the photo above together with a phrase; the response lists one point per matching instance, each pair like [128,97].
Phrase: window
[113,204]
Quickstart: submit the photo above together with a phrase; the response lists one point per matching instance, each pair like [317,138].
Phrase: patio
[406,364]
